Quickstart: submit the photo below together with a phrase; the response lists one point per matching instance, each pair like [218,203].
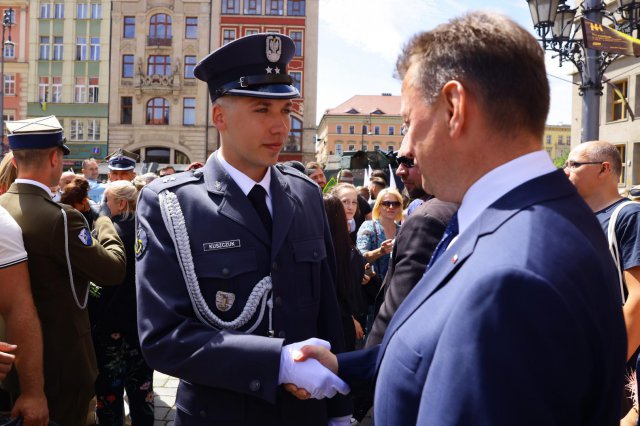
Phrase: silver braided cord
[260,295]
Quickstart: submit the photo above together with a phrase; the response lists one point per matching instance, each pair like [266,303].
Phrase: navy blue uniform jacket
[519,322]
[230,377]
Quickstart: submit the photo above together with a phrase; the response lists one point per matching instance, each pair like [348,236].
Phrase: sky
[359,41]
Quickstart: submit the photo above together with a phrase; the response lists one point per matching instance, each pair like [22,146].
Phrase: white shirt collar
[36,183]
[499,181]
[245,182]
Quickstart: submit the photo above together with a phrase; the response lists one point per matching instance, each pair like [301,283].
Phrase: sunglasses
[389,204]
[405,161]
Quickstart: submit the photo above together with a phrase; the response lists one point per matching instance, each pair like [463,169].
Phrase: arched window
[295,135]
[157,111]
[160,29]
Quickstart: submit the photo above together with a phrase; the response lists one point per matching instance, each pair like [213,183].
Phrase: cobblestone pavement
[165,388]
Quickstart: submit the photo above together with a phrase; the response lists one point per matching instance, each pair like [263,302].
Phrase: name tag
[221,245]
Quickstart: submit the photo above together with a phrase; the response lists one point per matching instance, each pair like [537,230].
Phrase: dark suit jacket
[414,244]
[519,322]
[69,359]
[227,376]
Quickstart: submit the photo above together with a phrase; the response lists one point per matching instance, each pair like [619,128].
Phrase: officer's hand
[6,359]
[310,378]
[32,408]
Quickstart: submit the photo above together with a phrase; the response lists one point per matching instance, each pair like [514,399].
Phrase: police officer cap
[36,133]
[122,160]
[255,65]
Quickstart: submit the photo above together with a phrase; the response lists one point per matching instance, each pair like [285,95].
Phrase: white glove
[309,375]
[340,421]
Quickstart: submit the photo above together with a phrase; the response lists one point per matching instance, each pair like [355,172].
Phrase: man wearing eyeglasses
[595,168]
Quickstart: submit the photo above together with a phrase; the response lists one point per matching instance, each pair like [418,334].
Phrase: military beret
[36,133]
[122,160]
[255,66]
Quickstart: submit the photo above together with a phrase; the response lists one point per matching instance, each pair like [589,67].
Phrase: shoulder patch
[85,237]
[141,242]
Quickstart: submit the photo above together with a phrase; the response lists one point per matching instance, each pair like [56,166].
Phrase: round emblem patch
[141,242]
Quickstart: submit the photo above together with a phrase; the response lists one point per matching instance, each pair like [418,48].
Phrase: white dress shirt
[245,183]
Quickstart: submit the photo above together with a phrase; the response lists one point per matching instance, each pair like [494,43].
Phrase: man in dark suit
[518,320]
[413,246]
[63,257]
[235,260]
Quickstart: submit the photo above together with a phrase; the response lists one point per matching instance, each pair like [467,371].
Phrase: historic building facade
[69,71]
[362,123]
[157,108]
[299,20]
[15,63]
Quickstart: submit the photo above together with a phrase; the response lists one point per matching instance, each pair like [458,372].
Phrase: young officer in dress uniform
[234,260]
[63,257]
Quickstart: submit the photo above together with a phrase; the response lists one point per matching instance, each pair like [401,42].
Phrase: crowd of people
[493,289]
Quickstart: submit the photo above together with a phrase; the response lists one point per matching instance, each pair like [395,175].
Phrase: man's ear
[454,97]
[218,116]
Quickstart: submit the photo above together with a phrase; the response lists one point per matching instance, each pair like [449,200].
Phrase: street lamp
[7,21]
[554,22]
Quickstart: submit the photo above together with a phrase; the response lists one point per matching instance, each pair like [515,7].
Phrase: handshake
[308,370]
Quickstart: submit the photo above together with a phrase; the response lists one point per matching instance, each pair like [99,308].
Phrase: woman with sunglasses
[375,239]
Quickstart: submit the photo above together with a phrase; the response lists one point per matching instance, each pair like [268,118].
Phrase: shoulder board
[176,179]
[292,171]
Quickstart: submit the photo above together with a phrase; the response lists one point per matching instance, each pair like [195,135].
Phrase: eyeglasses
[572,165]
[389,204]
[405,161]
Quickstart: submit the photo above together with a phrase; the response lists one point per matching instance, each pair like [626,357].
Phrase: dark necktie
[257,196]
[449,234]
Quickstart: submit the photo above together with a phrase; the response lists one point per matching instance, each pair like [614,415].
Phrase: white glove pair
[309,375]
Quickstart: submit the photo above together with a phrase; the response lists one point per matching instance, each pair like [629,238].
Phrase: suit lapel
[284,209]
[235,205]
[546,187]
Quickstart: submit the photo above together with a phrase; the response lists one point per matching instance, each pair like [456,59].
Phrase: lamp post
[7,21]
[554,22]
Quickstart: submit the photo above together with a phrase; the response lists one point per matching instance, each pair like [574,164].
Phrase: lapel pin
[454,259]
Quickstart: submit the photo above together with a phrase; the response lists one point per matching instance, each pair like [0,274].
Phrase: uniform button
[274,266]
[225,271]
[278,301]
[254,385]
[282,334]
[203,413]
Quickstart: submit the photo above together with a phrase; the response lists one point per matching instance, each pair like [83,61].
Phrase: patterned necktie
[449,234]
[257,196]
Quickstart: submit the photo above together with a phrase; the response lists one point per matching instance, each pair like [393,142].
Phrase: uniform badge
[141,242]
[224,300]
[274,48]
[85,237]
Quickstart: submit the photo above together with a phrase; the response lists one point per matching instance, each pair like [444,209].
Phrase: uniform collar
[245,183]
[35,183]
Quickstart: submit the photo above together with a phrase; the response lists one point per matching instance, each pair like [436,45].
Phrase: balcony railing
[159,42]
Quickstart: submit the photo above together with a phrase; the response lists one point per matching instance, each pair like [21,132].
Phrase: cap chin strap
[254,80]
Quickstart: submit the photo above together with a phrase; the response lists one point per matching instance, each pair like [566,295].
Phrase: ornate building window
[160,30]
[159,65]
[129,29]
[191,27]
[295,135]
[295,7]
[275,7]
[157,111]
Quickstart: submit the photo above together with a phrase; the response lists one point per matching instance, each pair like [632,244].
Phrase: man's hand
[308,379]
[6,359]
[33,409]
